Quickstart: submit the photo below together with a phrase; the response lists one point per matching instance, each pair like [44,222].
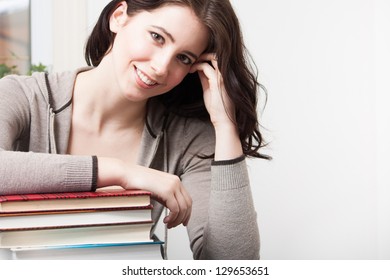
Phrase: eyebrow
[173,40]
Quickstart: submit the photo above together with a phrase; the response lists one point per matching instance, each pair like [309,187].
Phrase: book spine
[73,226]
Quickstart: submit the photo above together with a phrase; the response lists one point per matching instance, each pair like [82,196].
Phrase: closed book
[16,220]
[151,250]
[77,235]
[103,198]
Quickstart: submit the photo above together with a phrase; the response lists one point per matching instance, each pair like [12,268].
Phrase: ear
[119,17]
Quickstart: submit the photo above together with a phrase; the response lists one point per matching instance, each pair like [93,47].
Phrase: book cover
[103,198]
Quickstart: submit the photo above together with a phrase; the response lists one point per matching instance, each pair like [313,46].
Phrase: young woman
[167,105]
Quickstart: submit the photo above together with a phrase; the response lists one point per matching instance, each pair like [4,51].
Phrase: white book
[77,235]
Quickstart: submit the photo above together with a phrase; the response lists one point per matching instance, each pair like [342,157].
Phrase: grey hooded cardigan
[34,134]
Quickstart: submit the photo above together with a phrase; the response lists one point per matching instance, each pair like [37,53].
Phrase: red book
[103,198]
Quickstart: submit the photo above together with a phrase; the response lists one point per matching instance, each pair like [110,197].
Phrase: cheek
[139,50]
[178,76]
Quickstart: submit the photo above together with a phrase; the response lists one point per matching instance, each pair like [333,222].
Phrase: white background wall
[326,193]
[382,87]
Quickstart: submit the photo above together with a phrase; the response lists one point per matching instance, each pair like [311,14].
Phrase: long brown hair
[237,68]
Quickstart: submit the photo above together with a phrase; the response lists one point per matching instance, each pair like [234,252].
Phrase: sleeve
[28,172]
[223,222]
[14,113]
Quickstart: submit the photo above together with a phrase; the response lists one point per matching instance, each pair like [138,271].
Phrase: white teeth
[145,79]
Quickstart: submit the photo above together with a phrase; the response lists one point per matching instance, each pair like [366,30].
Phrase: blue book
[116,251]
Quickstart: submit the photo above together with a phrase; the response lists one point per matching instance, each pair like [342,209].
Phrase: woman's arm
[220,108]
[165,188]
[28,172]
[224,220]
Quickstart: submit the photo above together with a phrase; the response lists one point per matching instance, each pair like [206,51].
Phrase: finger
[206,69]
[164,202]
[185,205]
[214,62]
[208,57]
[187,219]
[174,210]
[179,217]
[189,207]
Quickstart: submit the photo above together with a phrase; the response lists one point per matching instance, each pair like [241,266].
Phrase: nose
[160,64]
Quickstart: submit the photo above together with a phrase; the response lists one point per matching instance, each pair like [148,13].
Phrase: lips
[145,79]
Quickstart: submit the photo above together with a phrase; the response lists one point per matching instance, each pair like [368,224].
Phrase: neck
[101,107]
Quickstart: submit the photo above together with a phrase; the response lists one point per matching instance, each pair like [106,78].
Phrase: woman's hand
[220,108]
[165,188]
[216,99]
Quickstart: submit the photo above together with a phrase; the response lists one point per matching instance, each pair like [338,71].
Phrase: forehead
[180,21]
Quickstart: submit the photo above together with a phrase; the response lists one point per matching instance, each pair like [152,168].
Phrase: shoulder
[35,88]
[18,84]
[60,87]
[55,89]
[15,108]
[18,89]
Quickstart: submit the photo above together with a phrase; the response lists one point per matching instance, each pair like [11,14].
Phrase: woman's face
[153,51]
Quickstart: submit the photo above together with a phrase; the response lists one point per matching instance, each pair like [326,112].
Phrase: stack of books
[111,223]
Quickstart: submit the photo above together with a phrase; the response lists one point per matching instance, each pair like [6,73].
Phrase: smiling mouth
[144,78]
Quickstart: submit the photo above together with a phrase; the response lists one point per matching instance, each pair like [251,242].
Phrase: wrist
[110,172]
[228,144]
[225,126]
